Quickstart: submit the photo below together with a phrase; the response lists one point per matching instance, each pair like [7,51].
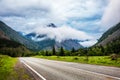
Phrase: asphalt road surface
[58,70]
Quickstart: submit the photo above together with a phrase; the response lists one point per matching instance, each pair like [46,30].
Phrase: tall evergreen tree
[102,50]
[86,53]
[61,51]
[53,51]
[73,50]
[46,53]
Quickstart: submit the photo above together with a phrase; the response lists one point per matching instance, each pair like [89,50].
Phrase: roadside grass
[11,69]
[98,60]
[6,67]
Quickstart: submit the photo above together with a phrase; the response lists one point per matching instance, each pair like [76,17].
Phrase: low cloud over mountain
[62,33]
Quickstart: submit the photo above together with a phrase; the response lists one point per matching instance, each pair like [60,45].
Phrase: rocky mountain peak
[52,25]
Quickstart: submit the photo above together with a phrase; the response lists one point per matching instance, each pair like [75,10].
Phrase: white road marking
[100,74]
[34,70]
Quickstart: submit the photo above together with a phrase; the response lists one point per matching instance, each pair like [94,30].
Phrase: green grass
[98,60]
[6,67]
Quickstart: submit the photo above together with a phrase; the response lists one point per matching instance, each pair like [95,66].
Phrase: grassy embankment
[6,67]
[11,69]
[98,60]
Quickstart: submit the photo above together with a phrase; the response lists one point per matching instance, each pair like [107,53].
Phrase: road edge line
[34,71]
[101,74]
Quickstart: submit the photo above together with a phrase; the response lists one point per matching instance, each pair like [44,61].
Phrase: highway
[59,70]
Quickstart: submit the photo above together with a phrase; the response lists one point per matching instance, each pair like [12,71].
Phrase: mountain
[34,35]
[11,47]
[110,35]
[2,35]
[66,44]
[51,25]
[69,44]
[10,34]
[47,43]
[35,41]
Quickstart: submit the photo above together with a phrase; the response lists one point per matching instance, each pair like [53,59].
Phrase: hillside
[9,33]
[12,48]
[110,35]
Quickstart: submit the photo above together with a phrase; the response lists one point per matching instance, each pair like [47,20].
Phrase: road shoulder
[22,73]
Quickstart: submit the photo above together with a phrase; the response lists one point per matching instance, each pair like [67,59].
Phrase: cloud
[88,26]
[88,43]
[43,12]
[22,8]
[82,17]
[51,10]
[62,33]
[111,16]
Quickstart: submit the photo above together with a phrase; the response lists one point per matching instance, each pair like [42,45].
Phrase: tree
[102,50]
[86,53]
[53,51]
[73,50]
[46,53]
[61,51]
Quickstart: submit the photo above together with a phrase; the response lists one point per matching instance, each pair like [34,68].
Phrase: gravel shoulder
[22,73]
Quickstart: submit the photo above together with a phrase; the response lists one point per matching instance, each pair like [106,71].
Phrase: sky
[84,20]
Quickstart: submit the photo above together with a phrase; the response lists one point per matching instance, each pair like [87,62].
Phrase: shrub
[75,58]
[114,56]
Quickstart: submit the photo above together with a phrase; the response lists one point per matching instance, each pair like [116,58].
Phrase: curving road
[58,70]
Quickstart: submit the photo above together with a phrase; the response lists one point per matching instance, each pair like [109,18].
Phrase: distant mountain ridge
[47,43]
[111,34]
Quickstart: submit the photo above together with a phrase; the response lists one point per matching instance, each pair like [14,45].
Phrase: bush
[75,58]
[114,56]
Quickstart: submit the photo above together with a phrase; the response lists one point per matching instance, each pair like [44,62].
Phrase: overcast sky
[76,19]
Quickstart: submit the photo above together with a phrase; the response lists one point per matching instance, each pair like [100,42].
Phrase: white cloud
[47,11]
[63,33]
[28,15]
[111,15]
[87,25]
[58,11]
[88,43]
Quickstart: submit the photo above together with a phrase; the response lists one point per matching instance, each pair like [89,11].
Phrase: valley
[59,39]
[104,53]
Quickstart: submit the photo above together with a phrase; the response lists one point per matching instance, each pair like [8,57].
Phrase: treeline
[15,52]
[59,52]
[15,49]
[111,48]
